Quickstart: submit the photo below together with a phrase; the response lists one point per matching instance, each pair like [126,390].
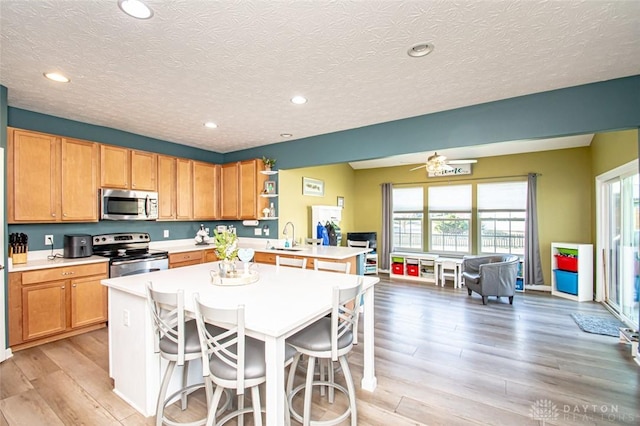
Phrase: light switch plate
[166,233]
[266,232]
[257,231]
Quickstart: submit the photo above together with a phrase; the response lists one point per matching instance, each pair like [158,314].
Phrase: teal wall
[592,108]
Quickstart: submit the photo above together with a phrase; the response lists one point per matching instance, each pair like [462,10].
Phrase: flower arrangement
[226,245]
[268,162]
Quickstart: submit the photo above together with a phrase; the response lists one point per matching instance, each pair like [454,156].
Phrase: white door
[4,352]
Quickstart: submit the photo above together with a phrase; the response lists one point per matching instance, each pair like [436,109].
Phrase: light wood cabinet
[187,258]
[166,187]
[206,205]
[270,258]
[229,190]
[51,179]
[240,185]
[128,169]
[54,303]
[184,189]
[210,256]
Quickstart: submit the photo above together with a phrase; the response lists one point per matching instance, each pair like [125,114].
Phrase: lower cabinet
[54,303]
[186,258]
[270,258]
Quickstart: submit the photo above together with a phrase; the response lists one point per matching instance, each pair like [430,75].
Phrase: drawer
[64,272]
[261,257]
[186,256]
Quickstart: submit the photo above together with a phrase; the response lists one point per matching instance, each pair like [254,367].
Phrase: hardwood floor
[442,358]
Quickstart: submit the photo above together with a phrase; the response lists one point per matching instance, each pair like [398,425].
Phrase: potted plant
[226,248]
[268,162]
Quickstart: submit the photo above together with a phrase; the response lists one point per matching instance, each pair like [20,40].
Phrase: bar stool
[177,342]
[230,360]
[290,261]
[330,338]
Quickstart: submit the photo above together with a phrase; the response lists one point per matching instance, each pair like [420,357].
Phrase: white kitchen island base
[282,302]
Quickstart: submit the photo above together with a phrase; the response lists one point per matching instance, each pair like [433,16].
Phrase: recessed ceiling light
[135,8]
[56,77]
[420,49]
[286,135]
[299,100]
[211,125]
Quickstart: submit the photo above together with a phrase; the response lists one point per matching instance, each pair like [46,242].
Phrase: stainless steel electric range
[129,253]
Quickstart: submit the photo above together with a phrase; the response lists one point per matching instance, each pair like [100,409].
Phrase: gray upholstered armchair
[491,275]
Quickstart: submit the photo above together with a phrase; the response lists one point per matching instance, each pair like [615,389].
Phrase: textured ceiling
[239,62]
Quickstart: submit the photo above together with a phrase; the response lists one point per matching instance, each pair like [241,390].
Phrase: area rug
[606,325]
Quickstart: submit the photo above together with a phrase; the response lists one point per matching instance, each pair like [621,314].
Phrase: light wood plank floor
[442,358]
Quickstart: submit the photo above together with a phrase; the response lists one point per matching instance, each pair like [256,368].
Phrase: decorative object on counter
[266,211]
[268,162]
[246,255]
[202,236]
[313,187]
[233,278]
[272,211]
[18,247]
[227,251]
[341,202]
[269,187]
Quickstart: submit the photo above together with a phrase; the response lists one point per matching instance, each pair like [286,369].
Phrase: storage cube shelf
[572,271]
[413,266]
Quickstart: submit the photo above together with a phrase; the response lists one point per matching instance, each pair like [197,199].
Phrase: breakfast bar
[282,302]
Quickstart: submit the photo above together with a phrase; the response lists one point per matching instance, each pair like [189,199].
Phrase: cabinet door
[204,190]
[88,301]
[79,184]
[229,189]
[166,187]
[33,177]
[249,189]
[144,166]
[184,188]
[43,309]
[114,167]
[210,256]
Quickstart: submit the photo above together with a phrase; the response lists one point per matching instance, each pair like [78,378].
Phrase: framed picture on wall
[270,187]
[313,187]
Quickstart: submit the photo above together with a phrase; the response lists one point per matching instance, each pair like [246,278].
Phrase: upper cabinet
[51,179]
[241,184]
[184,189]
[128,169]
[166,187]
[206,193]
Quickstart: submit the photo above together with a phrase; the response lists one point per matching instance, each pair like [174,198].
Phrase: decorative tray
[234,278]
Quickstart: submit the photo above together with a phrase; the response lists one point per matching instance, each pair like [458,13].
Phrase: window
[450,218]
[501,217]
[407,218]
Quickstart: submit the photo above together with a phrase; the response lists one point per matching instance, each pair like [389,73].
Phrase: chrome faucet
[293,232]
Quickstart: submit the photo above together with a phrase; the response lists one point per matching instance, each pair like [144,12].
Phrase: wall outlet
[166,233]
[266,231]
[125,318]
[48,240]
[257,231]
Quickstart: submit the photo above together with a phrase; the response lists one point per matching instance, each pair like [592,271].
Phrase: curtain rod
[462,180]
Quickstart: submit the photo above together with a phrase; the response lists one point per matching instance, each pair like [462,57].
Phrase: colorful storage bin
[413,270]
[397,268]
[567,263]
[566,282]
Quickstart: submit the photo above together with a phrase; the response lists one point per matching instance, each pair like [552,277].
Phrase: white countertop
[39,259]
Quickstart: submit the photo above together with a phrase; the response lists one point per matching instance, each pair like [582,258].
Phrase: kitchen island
[283,301]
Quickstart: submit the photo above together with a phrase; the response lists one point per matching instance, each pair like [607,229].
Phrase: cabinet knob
[62,287]
[64,214]
[75,285]
[53,215]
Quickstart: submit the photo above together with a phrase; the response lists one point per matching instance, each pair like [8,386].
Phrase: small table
[438,265]
[282,302]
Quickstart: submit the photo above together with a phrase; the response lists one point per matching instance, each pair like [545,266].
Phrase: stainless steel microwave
[121,204]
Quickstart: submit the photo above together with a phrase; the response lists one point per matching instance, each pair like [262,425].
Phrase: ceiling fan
[438,163]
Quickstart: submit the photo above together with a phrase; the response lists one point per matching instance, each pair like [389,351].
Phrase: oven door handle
[126,262]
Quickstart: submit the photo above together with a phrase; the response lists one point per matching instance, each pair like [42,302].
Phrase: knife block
[17,257]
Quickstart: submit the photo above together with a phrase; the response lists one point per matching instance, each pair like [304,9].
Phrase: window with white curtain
[408,207]
[501,217]
[450,218]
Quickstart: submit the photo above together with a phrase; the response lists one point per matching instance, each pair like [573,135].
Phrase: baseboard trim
[538,287]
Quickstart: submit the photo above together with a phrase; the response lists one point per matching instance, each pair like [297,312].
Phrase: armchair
[491,275]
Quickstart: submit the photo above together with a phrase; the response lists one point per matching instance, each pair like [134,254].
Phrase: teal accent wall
[591,108]
[29,120]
